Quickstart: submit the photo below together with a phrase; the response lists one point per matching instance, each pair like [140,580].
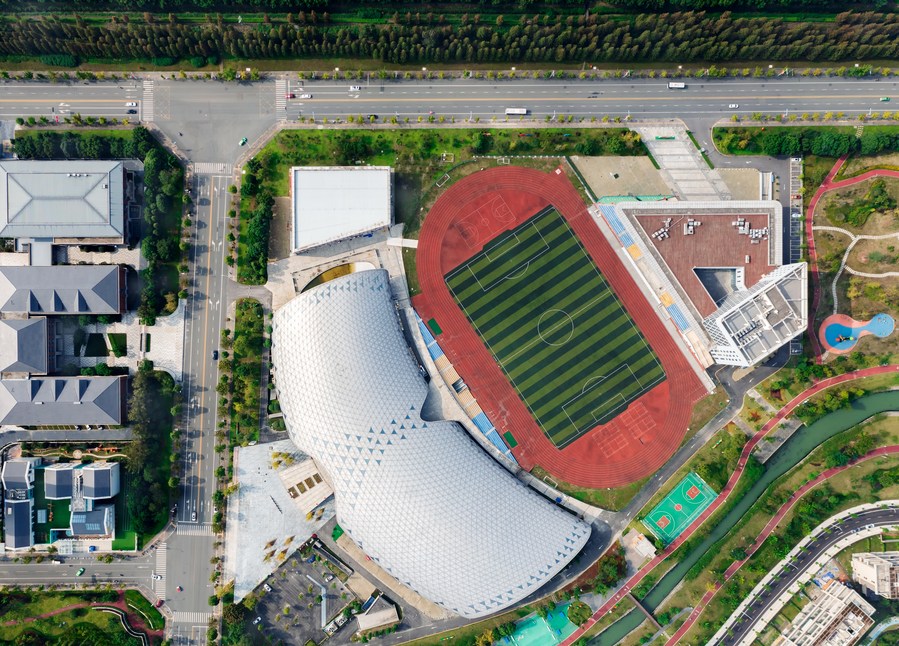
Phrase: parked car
[266,587]
[92,548]
[257,620]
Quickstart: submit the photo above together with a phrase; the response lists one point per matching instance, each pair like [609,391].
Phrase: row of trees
[252,261]
[150,412]
[677,37]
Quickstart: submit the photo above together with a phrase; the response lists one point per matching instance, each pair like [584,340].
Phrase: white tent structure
[419,497]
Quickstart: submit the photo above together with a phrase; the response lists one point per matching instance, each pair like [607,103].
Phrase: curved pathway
[770,527]
[853,239]
[787,409]
[826,186]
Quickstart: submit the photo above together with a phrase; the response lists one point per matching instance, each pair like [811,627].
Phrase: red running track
[772,524]
[731,483]
[471,213]
[826,186]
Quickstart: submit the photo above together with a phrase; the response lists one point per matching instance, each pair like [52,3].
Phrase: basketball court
[679,508]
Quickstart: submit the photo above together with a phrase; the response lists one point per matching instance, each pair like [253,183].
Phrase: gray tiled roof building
[18,503]
[62,401]
[100,480]
[58,480]
[63,289]
[23,345]
[64,201]
[99,521]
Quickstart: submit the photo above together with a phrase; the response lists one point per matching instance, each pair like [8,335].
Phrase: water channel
[803,441]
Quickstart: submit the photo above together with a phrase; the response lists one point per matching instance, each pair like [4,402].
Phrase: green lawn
[137,602]
[77,626]
[555,327]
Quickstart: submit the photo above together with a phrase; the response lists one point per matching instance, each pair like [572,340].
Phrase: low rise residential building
[18,502]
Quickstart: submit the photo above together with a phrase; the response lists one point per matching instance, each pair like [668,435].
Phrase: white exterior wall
[419,497]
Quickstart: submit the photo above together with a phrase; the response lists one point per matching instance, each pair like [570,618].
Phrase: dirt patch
[857,165]
[279,245]
[742,182]
[875,256]
[636,176]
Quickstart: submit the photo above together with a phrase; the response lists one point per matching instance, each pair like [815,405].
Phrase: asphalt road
[100,99]
[794,569]
[129,571]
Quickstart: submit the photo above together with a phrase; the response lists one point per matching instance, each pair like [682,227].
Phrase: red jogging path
[467,216]
[826,186]
[635,580]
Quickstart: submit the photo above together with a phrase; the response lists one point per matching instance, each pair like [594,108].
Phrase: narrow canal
[787,456]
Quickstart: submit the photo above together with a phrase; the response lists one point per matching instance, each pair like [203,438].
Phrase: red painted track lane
[635,443]
[731,483]
[826,186]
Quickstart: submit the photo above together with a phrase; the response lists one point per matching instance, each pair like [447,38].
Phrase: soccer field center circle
[677,510]
[470,219]
[555,323]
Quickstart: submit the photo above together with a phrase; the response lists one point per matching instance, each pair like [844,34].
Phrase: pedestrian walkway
[197,618]
[212,168]
[147,113]
[681,164]
[281,99]
[192,529]
[160,569]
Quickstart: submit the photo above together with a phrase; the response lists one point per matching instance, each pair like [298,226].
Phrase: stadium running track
[472,212]
[731,483]
[826,186]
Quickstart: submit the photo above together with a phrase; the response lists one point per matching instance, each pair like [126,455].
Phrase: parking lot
[302,589]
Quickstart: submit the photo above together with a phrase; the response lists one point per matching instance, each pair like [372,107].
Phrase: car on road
[733,106]
[180,589]
[305,96]
[257,620]
[215,355]
[132,111]
[243,142]
[157,577]
[131,104]
[266,587]
[355,88]
[290,95]
[159,603]
[92,548]
[885,99]
[193,516]
[79,572]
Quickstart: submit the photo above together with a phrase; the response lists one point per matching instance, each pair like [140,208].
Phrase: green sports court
[689,498]
[555,327]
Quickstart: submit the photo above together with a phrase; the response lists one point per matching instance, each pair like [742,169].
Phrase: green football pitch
[555,327]
[680,508]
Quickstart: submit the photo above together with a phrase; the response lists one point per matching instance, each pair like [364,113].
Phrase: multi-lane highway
[107,99]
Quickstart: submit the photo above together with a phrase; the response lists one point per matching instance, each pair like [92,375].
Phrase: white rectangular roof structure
[331,203]
[62,200]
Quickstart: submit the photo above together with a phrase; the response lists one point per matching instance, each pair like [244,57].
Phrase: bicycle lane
[826,186]
[788,408]
[770,527]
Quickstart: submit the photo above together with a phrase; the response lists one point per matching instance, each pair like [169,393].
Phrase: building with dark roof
[18,502]
[23,346]
[100,480]
[58,480]
[96,523]
[63,289]
[63,201]
[63,401]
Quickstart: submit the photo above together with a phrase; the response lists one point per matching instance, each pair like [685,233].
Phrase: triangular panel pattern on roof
[422,499]
[61,289]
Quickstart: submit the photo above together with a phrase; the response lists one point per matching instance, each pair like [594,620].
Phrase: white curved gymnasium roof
[419,497]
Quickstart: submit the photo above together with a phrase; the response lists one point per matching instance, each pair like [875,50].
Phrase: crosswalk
[147,103]
[192,529]
[159,586]
[281,99]
[212,168]
[192,617]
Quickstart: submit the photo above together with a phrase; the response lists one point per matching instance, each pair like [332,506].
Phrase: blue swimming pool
[843,337]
